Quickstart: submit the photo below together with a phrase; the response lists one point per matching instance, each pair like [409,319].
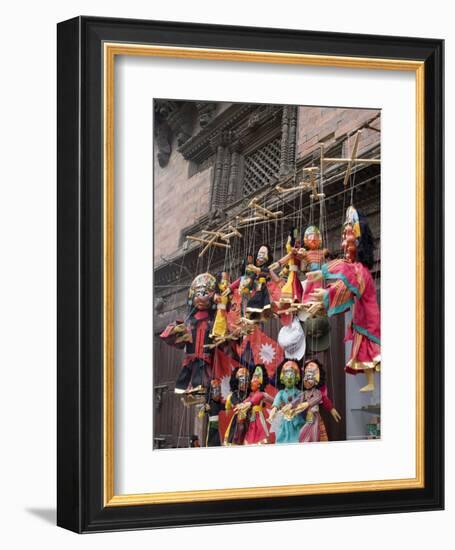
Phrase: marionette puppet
[252,286]
[195,374]
[291,291]
[350,286]
[307,404]
[238,425]
[211,409]
[313,258]
[255,405]
[221,298]
[287,428]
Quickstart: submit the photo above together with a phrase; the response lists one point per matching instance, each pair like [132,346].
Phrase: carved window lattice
[262,166]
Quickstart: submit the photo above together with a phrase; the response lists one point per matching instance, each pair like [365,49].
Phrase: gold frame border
[111,50]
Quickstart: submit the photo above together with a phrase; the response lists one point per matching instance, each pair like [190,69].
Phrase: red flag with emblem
[266,350]
[223,363]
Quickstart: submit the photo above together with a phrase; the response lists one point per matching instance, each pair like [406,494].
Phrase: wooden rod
[235,231]
[266,211]
[248,220]
[216,233]
[210,243]
[354,161]
[353,156]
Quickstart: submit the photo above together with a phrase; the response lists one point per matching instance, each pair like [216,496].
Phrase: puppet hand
[336,415]
[314,307]
[318,294]
[314,276]
[272,414]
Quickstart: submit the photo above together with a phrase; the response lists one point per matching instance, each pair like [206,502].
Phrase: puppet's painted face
[289,374]
[246,283]
[202,291]
[312,238]
[257,379]
[349,243]
[263,256]
[224,282]
[311,376]
[243,379]
[215,390]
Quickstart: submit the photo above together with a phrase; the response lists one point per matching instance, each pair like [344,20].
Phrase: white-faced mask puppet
[262,256]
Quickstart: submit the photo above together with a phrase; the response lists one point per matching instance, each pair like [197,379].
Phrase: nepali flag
[224,362]
[266,351]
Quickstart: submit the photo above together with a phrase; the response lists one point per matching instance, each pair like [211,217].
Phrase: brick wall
[179,201]
[316,124]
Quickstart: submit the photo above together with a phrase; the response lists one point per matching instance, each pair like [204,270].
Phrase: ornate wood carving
[288,139]
[206,112]
[172,118]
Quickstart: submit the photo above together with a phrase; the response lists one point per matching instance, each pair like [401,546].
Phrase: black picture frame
[80,474]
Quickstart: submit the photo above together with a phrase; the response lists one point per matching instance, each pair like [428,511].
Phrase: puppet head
[215,389]
[349,243]
[202,290]
[259,378]
[290,374]
[293,239]
[223,281]
[313,374]
[357,239]
[243,378]
[351,234]
[264,256]
[312,238]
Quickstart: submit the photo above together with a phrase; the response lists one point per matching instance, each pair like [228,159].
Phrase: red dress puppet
[196,367]
[350,286]
[256,403]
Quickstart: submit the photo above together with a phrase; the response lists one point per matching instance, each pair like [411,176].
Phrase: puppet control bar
[211,238]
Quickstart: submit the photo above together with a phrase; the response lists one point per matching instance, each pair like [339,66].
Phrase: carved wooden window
[261,166]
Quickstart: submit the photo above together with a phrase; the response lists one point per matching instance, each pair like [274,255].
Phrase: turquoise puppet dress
[289,430]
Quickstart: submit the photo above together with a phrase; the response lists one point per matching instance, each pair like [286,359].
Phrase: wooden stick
[353,155]
[210,243]
[235,231]
[248,220]
[216,233]
[266,211]
[353,161]
[207,246]
[321,171]
[304,185]
[317,196]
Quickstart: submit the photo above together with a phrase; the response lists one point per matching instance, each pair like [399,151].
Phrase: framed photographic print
[250,274]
